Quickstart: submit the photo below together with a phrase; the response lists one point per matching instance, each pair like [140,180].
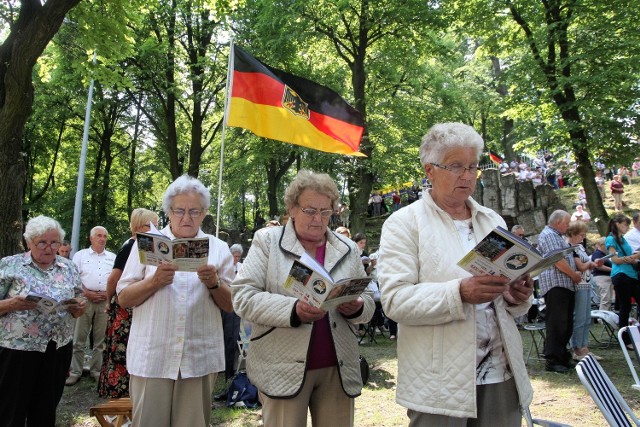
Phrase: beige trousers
[321,394]
[94,321]
[162,402]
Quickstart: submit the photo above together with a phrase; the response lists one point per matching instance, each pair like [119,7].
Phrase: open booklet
[47,304]
[154,248]
[310,282]
[504,254]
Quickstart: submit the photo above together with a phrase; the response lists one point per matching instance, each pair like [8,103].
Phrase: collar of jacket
[336,250]
[474,206]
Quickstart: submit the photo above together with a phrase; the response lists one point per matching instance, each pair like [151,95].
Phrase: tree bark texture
[36,25]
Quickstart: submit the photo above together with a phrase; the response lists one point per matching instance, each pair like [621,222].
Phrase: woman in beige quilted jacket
[301,357]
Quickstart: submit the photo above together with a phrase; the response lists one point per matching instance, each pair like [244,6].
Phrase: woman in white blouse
[176,343]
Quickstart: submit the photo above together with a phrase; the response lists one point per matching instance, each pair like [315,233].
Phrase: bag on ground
[241,393]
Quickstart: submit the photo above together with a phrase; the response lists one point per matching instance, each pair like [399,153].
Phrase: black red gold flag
[275,104]
[495,158]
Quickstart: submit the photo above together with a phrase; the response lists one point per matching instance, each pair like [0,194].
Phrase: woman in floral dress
[114,379]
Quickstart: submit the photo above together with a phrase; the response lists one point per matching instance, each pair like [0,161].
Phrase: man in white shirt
[633,235]
[95,264]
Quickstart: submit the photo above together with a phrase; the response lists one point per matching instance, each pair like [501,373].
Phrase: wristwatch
[214,287]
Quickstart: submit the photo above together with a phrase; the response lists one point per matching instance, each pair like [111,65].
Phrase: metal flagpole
[77,210]
[224,129]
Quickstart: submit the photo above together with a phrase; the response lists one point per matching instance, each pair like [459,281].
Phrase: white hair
[39,225]
[236,249]
[445,136]
[97,228]
[182,185]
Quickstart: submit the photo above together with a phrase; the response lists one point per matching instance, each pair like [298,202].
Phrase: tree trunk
[361,181]
[276,169]
[35,27]
[507,123]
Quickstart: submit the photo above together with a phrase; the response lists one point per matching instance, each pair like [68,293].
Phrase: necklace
[461,217]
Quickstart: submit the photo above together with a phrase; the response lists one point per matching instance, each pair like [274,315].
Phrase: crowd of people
[161,334]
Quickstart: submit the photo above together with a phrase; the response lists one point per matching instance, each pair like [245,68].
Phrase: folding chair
[526,413]
[377,321]
[634,333]
[244,339]
[609,326]
[606,396]
[538,337]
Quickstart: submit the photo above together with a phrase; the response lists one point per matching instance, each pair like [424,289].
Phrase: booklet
[504,254]
[310,282]
[155,248]
[47,304]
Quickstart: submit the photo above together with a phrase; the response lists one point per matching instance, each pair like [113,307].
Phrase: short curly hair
[39,225]
[445,136]
[309,180]
[183,185]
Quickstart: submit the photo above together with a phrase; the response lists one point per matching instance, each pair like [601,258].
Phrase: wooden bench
[120,408]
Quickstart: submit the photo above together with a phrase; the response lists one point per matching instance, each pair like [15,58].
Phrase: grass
[557,397]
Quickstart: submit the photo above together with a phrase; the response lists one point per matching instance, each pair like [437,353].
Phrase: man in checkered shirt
[557,286]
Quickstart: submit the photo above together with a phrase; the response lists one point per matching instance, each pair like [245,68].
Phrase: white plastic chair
[634,334]
[606,396]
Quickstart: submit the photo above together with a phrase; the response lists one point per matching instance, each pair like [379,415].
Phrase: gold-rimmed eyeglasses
[324,213]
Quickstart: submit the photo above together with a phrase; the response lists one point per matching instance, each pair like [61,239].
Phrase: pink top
[322,352]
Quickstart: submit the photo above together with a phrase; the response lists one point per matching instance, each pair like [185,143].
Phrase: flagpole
[77,209]
[229,84]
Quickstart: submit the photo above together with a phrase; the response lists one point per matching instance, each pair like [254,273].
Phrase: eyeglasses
[193,213]
[54,245]
[324,213]
[457,169]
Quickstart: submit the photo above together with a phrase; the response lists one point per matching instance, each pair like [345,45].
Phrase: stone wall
[517,202]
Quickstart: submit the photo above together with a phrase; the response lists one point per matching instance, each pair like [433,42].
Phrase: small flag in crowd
[495,158]
[275,104]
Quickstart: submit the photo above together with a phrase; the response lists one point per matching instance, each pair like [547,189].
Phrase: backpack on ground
[241,393]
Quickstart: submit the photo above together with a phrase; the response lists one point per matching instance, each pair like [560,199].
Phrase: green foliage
[405,65]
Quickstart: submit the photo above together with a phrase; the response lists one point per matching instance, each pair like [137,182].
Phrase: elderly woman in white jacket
[459,351]
[302,358]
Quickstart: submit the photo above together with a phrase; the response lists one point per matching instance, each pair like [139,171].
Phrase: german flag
[495,158]
[275,104]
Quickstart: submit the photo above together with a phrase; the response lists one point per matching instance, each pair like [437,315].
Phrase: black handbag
[364,369]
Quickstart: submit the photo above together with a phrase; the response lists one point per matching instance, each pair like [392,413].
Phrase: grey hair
[95,229]
[445,136]
[517,227]
[557,216]
[39,225]
[236,249]
[309,180]
[182,185]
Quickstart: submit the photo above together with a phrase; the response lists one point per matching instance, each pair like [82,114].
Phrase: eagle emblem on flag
[294,104]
